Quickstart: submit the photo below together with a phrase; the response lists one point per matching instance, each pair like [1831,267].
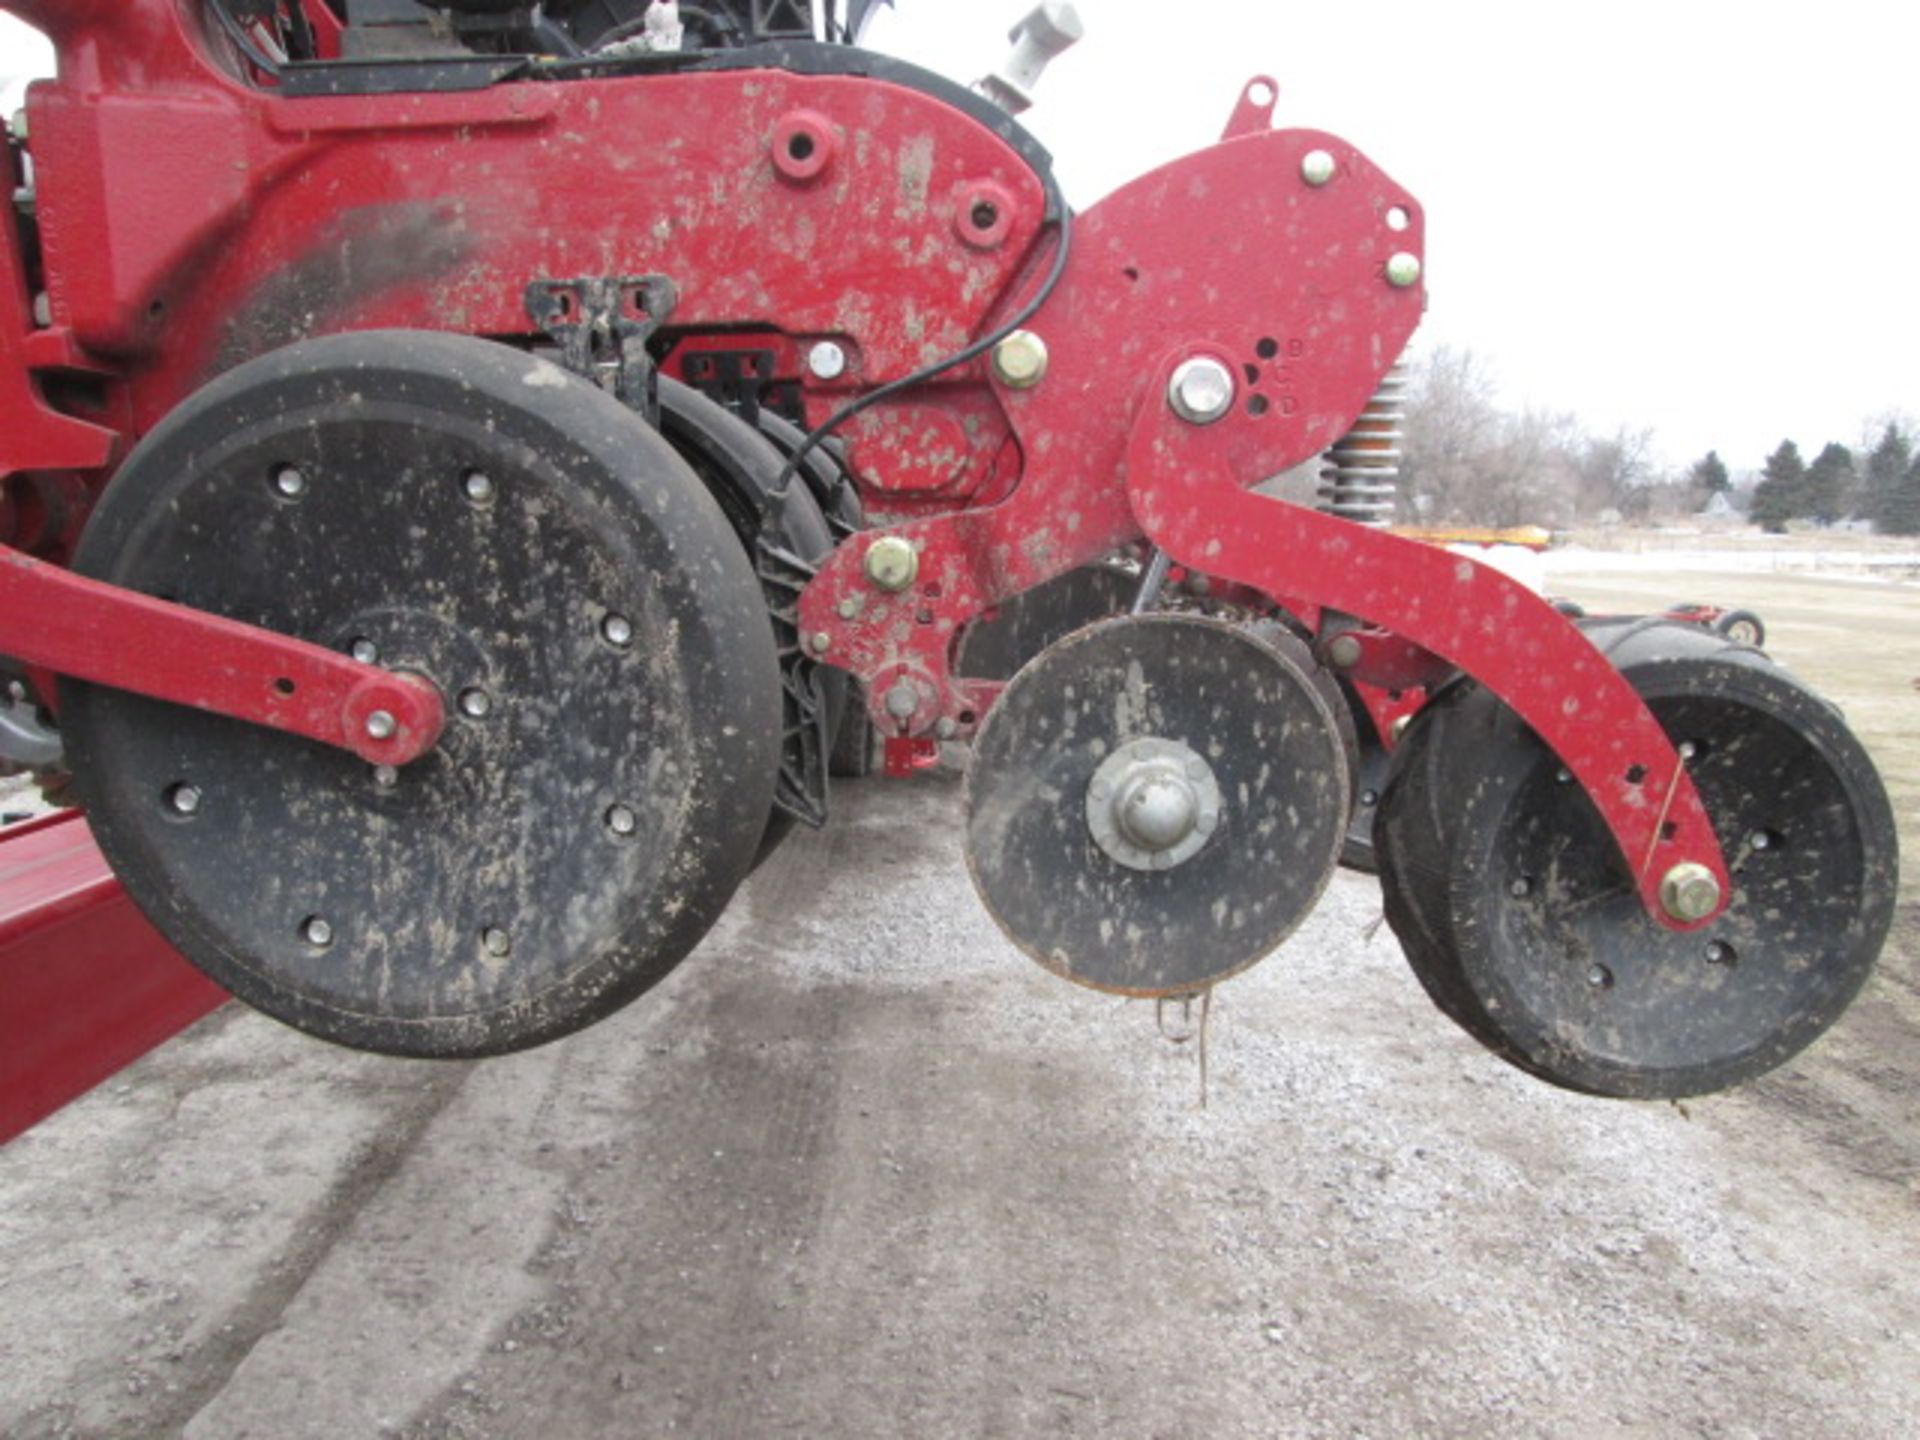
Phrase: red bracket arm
[57,620]
[1189,502]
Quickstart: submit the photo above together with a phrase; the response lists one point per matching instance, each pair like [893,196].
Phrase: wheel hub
[1153,804]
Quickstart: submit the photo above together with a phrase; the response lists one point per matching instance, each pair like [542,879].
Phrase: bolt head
[849,607]
[385,776]
[945,729]
[381,725]
[475,703]
[1317,167]
[479,486]
[1020,360]
[1345,651]
[621,820]
[365,651]
[902,701]
[1403,269]
[496,942]
[1688,892]
[822,642]
[184,799]
[617,631]
[317,931]
[892,563]
[827,360]
[1201,390]
[289,482]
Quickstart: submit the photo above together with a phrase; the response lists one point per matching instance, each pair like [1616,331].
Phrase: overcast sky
[1690,215]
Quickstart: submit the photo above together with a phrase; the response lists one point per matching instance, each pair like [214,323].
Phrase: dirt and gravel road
[859,1169]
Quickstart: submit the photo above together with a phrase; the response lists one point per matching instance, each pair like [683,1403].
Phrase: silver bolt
[1563,776]
[365,651]
[822,642]
[945,729]
[479,486]
[317,931]
[385,776]
[902,701]
[1688,891]
[289,482]
[892,563]
[1345,651]
[1317,167]
[1020,360]
[1201,390]
[1402,269]
[1520,888]
[1599,977]
[1759,840]
[621,820]
[1719,953]
[849,607]
[380,725]
[618,631]
[496,942]
[475,703]
[185,799]
[827,360]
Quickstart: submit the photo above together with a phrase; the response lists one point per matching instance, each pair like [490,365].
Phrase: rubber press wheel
[1524,925]
[458,510]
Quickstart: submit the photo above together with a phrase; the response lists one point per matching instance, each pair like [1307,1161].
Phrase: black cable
[1063,224]
[242,41]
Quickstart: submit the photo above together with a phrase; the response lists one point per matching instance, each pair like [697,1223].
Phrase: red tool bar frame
[87,986]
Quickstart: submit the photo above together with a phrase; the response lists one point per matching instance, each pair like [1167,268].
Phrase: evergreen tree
[1829,484]
[1901,514]
[1709,474]
[1781,494]
[1887,467]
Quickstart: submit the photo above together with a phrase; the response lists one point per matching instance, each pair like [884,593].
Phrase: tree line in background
[1468,461]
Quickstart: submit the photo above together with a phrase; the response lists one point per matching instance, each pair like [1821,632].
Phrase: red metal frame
[189,218]
[86,985]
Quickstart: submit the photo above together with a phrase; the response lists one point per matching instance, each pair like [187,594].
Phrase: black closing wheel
[1743,627]
[1155,803]
[455,509]
[1525,927]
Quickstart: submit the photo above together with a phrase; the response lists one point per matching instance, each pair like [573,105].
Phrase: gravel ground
[858,1168]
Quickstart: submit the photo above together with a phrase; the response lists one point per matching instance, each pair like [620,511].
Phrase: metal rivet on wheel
[621,820]
[1759,840]
[386,776]
[479,486]
[183,799]
[475,703]
[1317,167]
[617,630]
[289,482]
[496,942]
[365,651]
[1520,888]
[1719,953]
[1599,977]
[316,931]
[381,725]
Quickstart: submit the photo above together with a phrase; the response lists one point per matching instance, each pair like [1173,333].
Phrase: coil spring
[1359,479]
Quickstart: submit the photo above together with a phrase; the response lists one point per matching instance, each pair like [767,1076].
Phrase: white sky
[1691,215]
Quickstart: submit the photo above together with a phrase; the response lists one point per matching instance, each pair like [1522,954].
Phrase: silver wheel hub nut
[1152,804]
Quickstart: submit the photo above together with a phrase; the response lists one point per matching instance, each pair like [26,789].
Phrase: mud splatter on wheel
[1521,920]
[458,510]
[1155,803]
